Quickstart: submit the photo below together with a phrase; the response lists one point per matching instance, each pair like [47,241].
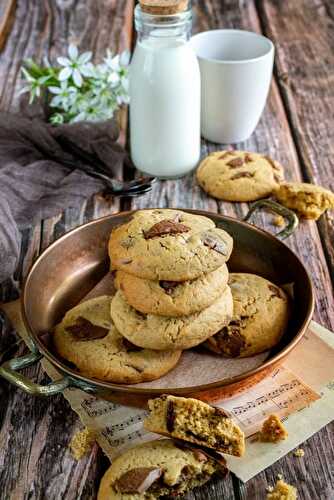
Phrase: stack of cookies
[171,279]
[174,292]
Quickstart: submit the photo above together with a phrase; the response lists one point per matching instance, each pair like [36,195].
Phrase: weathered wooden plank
[35,460]
[305,69]
[7,13]
[32,476]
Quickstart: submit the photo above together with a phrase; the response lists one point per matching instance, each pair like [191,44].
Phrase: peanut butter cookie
[308,200]
[195,421]
[239,175]
[164,333]
[172,298]
[88,338]
[159,469]
[165,244]
[260,317]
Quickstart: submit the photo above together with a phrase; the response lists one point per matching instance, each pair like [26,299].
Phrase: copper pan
[69,268]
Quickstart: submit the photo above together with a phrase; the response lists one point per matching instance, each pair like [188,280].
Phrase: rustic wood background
[296,129]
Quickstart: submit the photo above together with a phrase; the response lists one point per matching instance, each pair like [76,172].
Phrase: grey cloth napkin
[42,173]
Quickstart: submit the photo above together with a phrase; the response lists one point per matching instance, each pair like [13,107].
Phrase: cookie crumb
[82,442]
[282,491]
[278,220]
[299,452]
[272,430]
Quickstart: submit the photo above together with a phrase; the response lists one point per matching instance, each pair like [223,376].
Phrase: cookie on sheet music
[88,339]
[196,422]
[239,175]
[159,469]
[260,317]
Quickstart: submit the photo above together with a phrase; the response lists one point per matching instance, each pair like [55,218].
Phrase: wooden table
[296,129]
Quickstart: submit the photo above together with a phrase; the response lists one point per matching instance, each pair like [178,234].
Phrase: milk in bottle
[164,96]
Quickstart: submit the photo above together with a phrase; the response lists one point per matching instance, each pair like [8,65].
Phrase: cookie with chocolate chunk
[239,175]
[88,339]
[169,245]
[196,422]
[165,333]
[260,316]
[157,469]
[172,298]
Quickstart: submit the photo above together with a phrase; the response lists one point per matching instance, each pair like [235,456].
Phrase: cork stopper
[163,7]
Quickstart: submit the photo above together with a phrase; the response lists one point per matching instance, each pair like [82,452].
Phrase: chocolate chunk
[248,158]
[230,341]
[165,227]
[211,242]
[137,480]
[219,412]
[276,292]
[129,346]
[225,155]
[196,436]
[84,330]
[236,162]
[168,286]
[239,175]
[142,315]
[170,416]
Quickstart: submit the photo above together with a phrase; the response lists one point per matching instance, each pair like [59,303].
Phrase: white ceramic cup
[236,69]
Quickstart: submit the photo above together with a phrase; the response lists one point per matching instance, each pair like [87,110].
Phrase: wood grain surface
[296,129]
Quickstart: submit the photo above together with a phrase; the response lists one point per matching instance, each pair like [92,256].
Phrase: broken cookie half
[160,468]
[196,422]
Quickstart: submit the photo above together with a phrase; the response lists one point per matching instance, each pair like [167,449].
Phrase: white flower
[75,66]
[64,96]
[80,90]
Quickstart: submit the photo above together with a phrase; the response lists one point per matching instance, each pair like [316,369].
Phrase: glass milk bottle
[164,96]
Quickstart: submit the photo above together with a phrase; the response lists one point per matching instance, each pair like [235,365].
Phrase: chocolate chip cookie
[87,338]
[260,317]
[172,298]
[156,469]
[239,175]
[165,333]
[195,421]
[308,200]
[165,244]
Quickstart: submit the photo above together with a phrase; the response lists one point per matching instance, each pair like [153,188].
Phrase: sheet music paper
[304,408]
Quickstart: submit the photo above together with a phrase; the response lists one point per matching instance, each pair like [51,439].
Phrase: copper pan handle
[273,206]
[8,371]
